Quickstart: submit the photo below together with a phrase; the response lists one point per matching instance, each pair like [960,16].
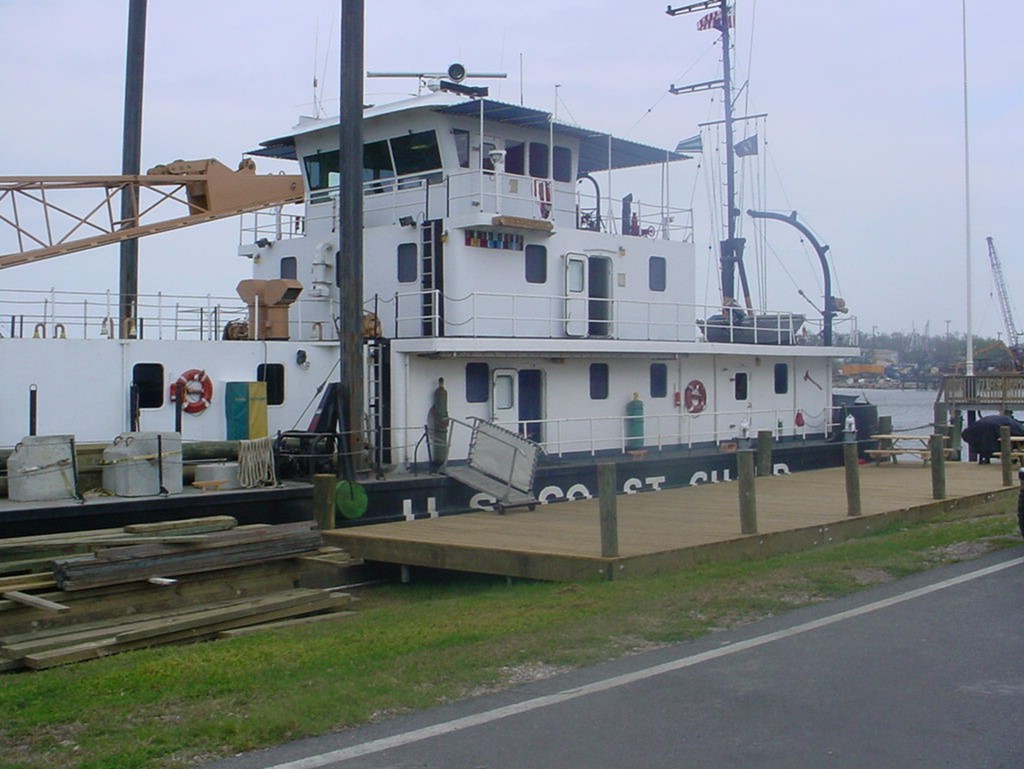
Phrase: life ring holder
[197,391]
[695,397]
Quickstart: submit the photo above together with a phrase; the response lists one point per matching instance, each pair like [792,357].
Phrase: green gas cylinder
[635,423]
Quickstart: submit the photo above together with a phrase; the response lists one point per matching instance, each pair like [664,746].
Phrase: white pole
[969,365]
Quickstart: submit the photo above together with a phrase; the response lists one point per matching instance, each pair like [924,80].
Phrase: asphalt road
[927,671]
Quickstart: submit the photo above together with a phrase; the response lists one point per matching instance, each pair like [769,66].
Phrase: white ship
[506,260]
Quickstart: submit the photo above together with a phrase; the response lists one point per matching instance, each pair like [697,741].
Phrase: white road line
[428,732]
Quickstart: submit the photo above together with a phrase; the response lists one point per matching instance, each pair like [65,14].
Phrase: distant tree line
[943,352]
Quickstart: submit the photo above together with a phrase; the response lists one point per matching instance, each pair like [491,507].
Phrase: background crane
[1012,335]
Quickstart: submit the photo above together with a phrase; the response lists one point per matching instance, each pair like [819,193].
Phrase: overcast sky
[865,132]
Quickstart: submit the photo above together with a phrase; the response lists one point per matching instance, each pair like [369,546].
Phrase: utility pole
[349,272]
[131,160]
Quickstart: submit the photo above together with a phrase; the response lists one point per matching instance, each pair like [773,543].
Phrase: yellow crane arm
[54,215]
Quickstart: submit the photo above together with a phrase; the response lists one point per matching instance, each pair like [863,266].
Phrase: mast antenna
[720,17]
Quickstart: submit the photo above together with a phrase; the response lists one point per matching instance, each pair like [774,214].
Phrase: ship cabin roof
[598,150]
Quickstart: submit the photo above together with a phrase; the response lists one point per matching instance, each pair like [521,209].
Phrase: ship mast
[719,17]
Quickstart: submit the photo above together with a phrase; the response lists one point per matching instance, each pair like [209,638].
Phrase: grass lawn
[409,647]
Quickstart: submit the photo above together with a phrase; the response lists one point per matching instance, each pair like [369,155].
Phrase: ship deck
[678,528]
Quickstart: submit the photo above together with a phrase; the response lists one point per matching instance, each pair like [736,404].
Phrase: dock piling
[748,497]
[955,439]
[1005,454]
[764,453]
[937,444]
[323,500]
[853,507]
[885,428]
[608,510]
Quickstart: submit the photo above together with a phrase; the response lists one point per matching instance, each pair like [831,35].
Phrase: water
[911,410]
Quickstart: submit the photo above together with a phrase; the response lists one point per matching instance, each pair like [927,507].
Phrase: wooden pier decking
[676,528]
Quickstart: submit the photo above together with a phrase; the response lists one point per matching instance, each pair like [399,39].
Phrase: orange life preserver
[197,391]
[695,396]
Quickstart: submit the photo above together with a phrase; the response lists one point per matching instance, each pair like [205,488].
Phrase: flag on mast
[693,144]
[713,20]
[746,147]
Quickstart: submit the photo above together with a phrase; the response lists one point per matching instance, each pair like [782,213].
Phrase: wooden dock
[675,528]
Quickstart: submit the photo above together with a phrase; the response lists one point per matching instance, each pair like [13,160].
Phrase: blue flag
[693,144]
[746,147]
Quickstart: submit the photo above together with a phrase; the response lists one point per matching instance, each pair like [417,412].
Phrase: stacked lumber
[185,555]
[72,597]
[63,645]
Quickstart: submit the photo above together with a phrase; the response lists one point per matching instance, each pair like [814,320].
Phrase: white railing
[272,224]
[493,314]
[469,194]
[94,315]
[473,192]
[590,435]
[661,431]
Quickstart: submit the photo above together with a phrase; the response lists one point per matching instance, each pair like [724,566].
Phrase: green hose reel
[350,499]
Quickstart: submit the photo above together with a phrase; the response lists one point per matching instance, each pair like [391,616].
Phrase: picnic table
[893,445]
[1016,449]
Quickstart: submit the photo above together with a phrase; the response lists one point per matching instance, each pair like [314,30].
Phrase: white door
[576,315]
[505,397]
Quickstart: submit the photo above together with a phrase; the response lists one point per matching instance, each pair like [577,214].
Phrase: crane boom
[42,210]
[1012,335]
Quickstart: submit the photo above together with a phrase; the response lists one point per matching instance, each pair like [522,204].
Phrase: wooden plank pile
[71,597]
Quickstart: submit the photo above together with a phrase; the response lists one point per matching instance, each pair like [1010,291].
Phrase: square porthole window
[407,257]
[273,375]
[740,383]
[536,264]
[781,378]
[659,380]
[478,382]
[656,273]
[148,379]
[598,381]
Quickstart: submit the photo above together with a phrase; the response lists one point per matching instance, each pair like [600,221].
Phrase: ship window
[515,158]
[575,275]
[562,164]
[478,378]
[148,380]
[273,375]
[740,383]
[781,378]
[377,164]
[416,153]
[538,160]
[656,279]
[659,380]
[407,272]
[321,173]
[461,137]
[322,169]
[289,268]
[536,264]
[598,381]
[504,392]
[488,149]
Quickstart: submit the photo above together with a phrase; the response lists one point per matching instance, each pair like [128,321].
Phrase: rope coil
[256,463]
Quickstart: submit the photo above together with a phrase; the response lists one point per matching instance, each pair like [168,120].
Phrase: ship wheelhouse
[497,262]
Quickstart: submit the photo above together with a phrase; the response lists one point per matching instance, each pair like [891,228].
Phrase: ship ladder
[430,282]
[376,395]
